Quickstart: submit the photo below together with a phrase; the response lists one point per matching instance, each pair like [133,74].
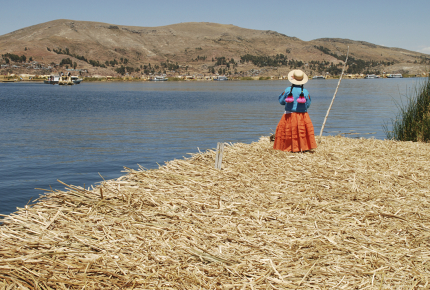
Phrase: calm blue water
[73,133]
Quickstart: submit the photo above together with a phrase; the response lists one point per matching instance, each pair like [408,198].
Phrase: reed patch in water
[413,121]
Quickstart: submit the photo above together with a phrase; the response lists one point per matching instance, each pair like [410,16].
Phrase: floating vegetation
[352,214]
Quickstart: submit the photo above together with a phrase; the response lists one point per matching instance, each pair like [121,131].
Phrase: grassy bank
[174,79]
[353,214]
[86,79]
[413,120]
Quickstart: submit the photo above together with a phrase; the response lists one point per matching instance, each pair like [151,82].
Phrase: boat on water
[52,80]
[318,77]
[390,76]
[221,78]
[372,76]
[76,80]
[63,80]
[158,78]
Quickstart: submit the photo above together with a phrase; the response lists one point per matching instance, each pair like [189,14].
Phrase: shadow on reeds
[413,120]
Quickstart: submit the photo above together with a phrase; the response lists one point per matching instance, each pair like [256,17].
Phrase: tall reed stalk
[413,120]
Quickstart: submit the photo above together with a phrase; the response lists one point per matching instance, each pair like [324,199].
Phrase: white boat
[394,76]
[318,77]
[76,80]
[221,78]
[63,80]
[52,80]
[158,78]
[371,77]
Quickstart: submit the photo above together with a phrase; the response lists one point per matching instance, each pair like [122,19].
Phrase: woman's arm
[282,98]
[308,102]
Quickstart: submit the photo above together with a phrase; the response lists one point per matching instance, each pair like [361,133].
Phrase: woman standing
[295,132]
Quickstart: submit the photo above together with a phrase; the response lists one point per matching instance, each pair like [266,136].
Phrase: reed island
[351,214]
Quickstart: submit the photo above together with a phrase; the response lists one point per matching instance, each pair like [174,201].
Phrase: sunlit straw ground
[353,214]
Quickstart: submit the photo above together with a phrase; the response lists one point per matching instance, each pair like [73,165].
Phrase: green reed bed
[413,120]
[174,79]
[90,79]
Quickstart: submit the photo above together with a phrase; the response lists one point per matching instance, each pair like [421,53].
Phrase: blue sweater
[295,107]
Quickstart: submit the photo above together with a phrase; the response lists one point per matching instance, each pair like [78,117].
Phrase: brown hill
[193,46]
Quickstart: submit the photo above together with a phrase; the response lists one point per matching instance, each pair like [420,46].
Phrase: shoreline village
[12,77]
[352,213]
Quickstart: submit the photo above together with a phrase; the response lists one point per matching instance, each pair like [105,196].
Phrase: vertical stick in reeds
[218,157]
[334,96]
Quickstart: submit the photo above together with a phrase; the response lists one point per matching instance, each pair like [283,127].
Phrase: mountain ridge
[196,46]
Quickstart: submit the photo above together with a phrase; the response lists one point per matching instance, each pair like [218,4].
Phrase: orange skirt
[295,133]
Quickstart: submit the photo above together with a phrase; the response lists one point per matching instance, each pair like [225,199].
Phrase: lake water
[75,133]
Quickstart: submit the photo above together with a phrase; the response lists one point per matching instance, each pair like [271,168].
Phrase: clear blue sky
[392,23]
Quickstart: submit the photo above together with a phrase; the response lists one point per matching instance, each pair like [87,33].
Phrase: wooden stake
[334,96]
[218,157]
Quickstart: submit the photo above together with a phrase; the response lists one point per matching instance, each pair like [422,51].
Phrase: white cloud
[425,50]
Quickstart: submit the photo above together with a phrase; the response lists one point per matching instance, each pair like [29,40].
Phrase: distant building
[27,76]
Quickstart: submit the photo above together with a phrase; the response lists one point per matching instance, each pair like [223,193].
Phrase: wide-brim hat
[297,77]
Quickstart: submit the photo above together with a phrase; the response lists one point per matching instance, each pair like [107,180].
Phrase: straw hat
[297,77]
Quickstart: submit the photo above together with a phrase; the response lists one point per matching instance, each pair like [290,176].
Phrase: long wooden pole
[334,96]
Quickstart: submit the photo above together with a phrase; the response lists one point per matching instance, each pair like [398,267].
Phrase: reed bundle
[412,122]
[353,214]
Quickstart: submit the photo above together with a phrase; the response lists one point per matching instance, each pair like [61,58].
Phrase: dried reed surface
[354,214]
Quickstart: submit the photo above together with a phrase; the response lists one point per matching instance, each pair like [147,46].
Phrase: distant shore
[10,79]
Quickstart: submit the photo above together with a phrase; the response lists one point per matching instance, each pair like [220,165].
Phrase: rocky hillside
[102,48]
